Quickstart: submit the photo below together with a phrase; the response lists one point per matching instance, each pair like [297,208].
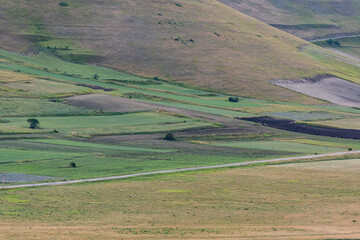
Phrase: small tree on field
[169,137]
[330,41]
[96,76]
[72,165]
[34,123]
[233,99]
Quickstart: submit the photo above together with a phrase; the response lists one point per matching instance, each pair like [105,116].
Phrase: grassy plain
[291,201]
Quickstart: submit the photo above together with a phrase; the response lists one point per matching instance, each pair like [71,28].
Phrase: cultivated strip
[172,171]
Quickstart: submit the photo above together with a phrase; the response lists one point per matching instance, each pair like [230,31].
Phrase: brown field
[331,89]
[107,103]
[292,201]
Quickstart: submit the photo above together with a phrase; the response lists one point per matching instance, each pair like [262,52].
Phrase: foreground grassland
[316,200]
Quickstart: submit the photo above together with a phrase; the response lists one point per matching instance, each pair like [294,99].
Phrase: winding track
[334,37]
[171,171]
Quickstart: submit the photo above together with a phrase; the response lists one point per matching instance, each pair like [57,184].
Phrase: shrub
[63,4]
[169,137]
[233,99]
[72,165]
[350,149]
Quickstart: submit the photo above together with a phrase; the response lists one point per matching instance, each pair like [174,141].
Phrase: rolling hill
[308,19]
[199,43]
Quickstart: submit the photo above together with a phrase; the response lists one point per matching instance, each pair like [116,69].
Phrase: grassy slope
[203,43]
[308,18]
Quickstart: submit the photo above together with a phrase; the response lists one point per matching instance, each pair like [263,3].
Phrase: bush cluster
[233,99]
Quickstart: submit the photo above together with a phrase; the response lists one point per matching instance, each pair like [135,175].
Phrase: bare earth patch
[107,103]
[332,89]
[17,177]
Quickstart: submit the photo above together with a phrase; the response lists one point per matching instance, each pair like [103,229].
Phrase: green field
[50,157]
[106,125]
[45,61]
[10,107]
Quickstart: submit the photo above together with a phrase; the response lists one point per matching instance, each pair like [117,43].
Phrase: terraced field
[73,107]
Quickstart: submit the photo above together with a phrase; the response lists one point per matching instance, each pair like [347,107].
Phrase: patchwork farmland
[193,84]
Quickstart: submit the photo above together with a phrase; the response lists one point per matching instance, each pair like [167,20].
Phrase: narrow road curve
[334,37]
[344,54]
[173,171]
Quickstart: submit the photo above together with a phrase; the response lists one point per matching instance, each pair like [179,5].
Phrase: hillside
[202,43]
[308,19]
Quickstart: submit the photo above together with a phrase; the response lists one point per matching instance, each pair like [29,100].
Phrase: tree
[169,137]
[96,76]
[337,43]
[34,123]
[330,41]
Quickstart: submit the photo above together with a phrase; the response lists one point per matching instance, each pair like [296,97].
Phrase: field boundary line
[173,171]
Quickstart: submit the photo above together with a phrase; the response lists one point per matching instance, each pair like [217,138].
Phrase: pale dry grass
[10,76]
[279,202]
[350,123]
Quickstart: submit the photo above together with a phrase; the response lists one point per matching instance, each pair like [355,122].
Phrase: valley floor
[314,200]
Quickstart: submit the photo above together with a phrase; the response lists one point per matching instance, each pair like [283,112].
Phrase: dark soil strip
[290,125]
[95,87]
